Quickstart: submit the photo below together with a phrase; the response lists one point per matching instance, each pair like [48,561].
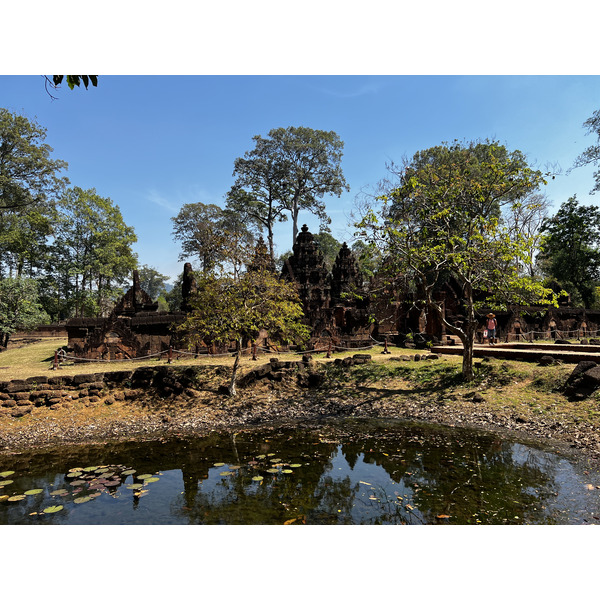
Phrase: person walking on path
[491,326]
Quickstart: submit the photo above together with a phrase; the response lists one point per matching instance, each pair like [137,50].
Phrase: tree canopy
[28,174]
[591,155]
[288,171]
[213,236]
[229,309]
[571,250]
[445,218]
[20,309]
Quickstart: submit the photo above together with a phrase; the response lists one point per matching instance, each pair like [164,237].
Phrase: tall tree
[19,307]
[28,174]
[229,309]
[571,250]
[328,246]
[152,282]
[96,249]
[591,155]
[215,237]
[288,171]
[445,218]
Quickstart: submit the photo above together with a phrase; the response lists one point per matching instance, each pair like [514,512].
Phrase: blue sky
[154,143]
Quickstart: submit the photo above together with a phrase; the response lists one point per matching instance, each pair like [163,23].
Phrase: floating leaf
[295,465]
[272,470]
[60,492]
[153,479]
[78,482]
[134,486]
[252,462]
[219,465]
[6,473]
[274,460]
[17,498]
[74,469]
[6,482]
[225,473]
[111,483]
[271,454]
[82,499]
[234,467]
[128,472]
[443,517]
[95,495]
[89,469]
[33,492]
[287,471]
[3,498]
[261,456]
[257,478]
[144,476]
[53,509]
[103,470]
[75,474]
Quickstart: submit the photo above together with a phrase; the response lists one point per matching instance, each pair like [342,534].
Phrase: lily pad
[75,474]
[134,486]
[6,473]
[111,483]
[219,465]
[95,495]
[261,456]
[225,473]
[53,509]
[17,498]
[128,472]
[60,492]
[153,479]
[6,482]
[144,476]
[82,499]
[272,470]
[257,478]
[287,471]
[274,460]
[295,465]
[33,492]
[234,467]
[103,470]
[77,482]
[89,469]
[3,498]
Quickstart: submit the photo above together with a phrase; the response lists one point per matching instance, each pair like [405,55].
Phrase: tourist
[491,328]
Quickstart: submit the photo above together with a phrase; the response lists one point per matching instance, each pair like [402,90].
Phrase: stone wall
[19,397]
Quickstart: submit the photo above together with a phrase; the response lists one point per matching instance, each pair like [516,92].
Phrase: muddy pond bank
[159,402]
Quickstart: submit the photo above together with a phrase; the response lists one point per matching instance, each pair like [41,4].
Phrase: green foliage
[75,80]
[227,309]
[92,252]
[152,282]
[27,173]
[328,246]
[288,171]
[217,238]
[571,250]
[19,307]
[445,218]
[591,155]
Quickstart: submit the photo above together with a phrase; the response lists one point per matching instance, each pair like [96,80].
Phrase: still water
[352,472]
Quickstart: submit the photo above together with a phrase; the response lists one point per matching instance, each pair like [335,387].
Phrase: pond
[348,472]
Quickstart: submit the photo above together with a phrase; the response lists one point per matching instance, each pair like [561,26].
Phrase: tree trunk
[236,364]
[295,212]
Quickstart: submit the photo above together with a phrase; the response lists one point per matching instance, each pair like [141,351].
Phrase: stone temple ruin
[338,306]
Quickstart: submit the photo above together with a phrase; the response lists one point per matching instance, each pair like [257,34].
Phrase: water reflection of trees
[472,478]
[422,472]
